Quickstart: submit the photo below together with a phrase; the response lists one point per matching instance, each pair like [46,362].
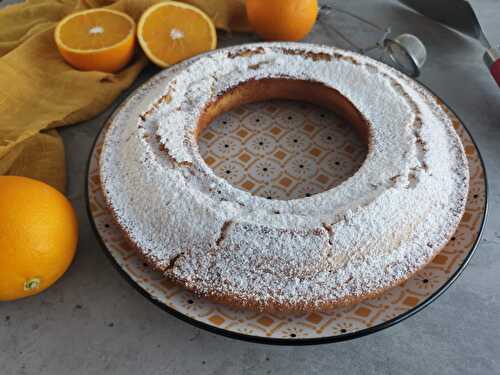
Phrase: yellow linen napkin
[39,91]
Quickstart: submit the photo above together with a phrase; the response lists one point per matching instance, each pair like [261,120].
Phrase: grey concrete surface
[93,322]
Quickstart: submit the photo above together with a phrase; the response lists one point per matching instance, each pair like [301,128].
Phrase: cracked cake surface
[351,242]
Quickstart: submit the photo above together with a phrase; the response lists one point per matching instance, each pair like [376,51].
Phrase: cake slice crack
[223,232]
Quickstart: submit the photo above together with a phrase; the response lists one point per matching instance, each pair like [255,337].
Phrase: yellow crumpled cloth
[40,92]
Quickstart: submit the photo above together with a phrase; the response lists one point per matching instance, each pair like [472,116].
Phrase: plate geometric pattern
[259,326]
[282,149]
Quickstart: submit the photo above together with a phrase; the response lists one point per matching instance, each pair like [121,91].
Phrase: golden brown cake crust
[207,270]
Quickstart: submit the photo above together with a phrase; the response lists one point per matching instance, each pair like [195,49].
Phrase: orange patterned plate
[286,150]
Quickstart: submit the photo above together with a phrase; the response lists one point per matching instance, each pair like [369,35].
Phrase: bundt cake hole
[324,104]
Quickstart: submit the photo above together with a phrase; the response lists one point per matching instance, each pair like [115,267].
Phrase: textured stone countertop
[93,322]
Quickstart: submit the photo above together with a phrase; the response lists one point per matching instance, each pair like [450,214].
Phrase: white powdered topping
[370,232]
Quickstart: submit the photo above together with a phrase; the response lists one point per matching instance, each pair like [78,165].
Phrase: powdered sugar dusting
[367,234]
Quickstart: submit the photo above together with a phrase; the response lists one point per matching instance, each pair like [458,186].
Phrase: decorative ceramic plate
[286,150]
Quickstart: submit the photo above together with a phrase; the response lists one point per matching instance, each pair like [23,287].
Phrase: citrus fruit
[38,236]
[170,32]
[282,19]
[96,39]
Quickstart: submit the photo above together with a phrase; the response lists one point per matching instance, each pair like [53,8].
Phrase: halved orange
[96,39]
[170,32]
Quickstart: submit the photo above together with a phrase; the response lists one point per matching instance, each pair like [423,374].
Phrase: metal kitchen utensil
[459,15]
[406,52]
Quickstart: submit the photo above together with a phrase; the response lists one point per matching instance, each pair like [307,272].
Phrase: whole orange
[282,19]
[38,236]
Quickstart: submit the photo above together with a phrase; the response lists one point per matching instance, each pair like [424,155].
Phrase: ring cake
[371,232]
